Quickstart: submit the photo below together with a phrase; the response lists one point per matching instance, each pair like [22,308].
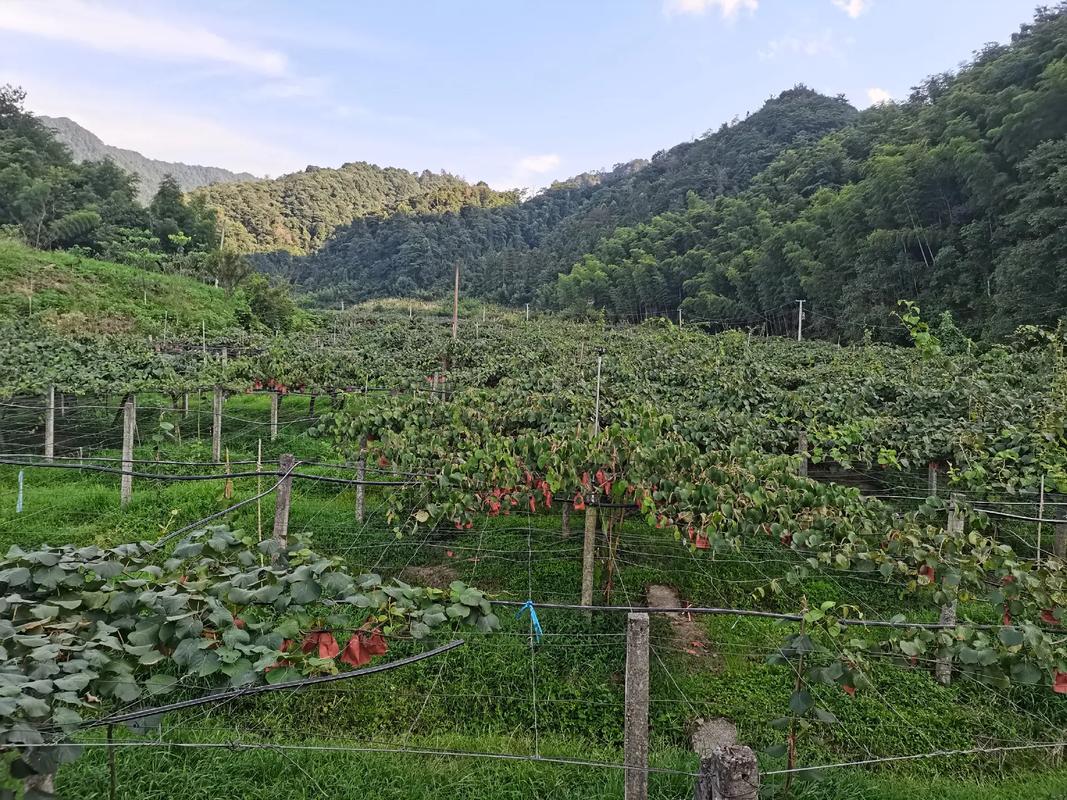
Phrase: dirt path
[689,637]
[686,634]
[437,576]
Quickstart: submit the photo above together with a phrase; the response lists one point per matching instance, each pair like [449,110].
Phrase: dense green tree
[54,202]
[954,199]
[512,252]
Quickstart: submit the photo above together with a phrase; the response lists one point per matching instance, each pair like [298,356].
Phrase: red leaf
[1059,683]
[448,553]
[926,571]
[1049,617]
[363,646]
[328,647]
[324,641]
[579,502]
[375,644]
[702,542]
[354,654]
[849,690]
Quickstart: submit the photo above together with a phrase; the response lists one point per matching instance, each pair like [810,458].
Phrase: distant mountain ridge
[87,146]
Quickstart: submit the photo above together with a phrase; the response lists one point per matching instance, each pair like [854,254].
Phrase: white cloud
[537,165]
[104,27]
[799,46]
[852,7]
[728,8]
[294,88]
[878,96]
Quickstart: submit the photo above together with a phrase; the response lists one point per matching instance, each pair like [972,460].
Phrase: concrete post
[50,424]
[932,470]
[635,736]
[129,426]
[588,552]
[282,496]
[216,424]
[943,667]
[275,402]
[729,773]
[802,451]
[361,475]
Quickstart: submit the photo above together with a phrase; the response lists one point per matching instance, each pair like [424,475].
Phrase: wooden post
[565,520]
[588,552]
[931,477]
[802,451]
[129,426]
[311,405]
[943,667]
[185,404]
[635,735]
[50,424]
[361,475]
[282,496]
[216,423]
[275,402]
[729,772]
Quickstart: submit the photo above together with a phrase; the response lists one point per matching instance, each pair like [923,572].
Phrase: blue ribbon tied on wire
[534,621]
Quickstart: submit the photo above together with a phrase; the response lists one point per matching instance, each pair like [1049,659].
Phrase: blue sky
[515,93]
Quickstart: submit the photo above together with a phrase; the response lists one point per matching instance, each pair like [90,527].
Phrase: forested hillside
[84,145]
[956,198]
[50,201]
[510,251]
[297,212]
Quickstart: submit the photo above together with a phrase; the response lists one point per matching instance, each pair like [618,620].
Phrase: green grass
[480,697]
[79,295]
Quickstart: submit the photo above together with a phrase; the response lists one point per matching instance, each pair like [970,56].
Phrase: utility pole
[800,322]
[679,316]
[455,307]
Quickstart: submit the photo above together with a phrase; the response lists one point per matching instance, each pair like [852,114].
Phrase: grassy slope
[479,699]
[84,295]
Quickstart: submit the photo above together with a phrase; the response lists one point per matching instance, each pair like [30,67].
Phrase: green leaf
[1011,636]
[305,592]
[419,630]
[823,715]
[800,702]
[283,675]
